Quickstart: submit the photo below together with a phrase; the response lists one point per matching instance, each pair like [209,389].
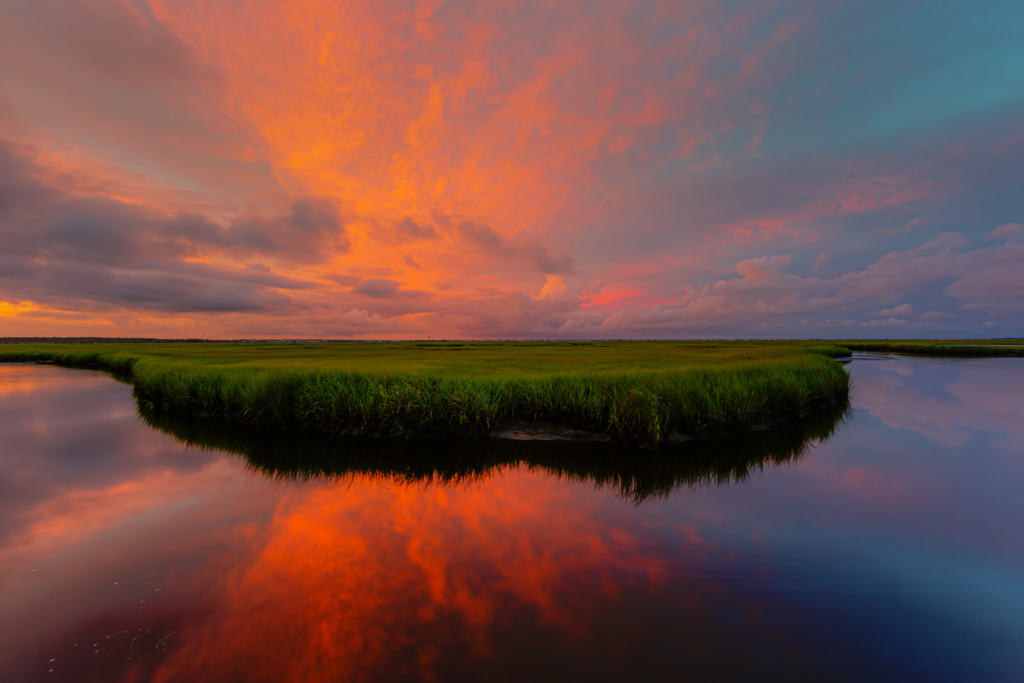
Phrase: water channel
[885,542]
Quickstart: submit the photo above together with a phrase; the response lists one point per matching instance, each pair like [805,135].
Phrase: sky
[532,169]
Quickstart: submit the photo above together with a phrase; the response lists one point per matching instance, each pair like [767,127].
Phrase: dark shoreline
[637,474]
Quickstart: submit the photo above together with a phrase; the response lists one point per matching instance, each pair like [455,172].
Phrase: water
[891,550]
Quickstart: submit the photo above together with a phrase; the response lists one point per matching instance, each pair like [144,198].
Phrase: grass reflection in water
[637,474]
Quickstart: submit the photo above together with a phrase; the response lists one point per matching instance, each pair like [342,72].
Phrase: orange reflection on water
[350,577]
[175,563]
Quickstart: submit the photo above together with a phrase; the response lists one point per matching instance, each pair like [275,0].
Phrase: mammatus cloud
[475,169]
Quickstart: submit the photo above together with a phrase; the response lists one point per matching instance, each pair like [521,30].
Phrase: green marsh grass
[634,391]
[967,348]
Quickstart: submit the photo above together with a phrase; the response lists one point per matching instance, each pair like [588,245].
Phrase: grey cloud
[249,276]
[113,41]
[549,264]
[378,288]
[108,75]
[533,254]
[92,288]
[900,311]
[407,229]
[312,229]
[18,189]
[57,249]
[482,235]
[993,275]
[393,300]
[343,280]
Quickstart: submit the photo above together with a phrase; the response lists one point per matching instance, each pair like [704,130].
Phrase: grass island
[637,391]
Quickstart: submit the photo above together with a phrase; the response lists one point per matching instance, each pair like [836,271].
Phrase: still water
[886,543]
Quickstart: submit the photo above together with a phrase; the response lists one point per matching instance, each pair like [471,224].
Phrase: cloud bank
[398,169]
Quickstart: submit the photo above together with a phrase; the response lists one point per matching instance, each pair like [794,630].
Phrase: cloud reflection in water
[312,558]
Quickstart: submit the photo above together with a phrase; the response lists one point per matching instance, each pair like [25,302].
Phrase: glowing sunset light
[398,168]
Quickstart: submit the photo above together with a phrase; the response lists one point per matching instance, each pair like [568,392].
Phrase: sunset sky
[488,169]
